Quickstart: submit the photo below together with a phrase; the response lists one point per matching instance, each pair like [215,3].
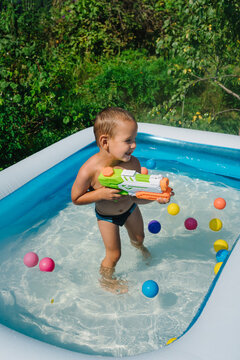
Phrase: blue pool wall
[207,158]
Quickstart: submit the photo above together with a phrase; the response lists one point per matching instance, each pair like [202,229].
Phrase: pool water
[68,307]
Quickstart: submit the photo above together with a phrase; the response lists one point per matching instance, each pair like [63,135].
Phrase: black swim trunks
[116,219]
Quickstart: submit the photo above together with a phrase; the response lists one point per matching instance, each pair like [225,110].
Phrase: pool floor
[68,307]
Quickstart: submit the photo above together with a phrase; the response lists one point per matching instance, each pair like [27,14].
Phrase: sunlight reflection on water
[85,318]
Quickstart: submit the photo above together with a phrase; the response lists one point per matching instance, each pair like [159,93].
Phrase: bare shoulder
[90,165]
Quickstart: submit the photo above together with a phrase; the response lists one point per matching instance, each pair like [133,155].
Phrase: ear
[103,141]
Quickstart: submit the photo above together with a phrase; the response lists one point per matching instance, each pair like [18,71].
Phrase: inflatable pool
[214,331]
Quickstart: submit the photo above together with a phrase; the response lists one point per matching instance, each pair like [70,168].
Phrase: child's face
[122,144]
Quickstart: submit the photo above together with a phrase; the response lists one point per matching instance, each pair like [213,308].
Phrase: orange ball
[219,203]
[144,171]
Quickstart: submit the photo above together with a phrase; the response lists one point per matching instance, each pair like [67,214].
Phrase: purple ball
[190,223]
[154,226]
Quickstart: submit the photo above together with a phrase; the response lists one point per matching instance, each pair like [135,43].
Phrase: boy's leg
[135,227]
[111,239]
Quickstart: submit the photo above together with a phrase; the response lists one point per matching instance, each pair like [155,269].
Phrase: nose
[133,145]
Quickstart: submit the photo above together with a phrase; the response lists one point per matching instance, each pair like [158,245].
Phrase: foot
[114,286]
[111,284]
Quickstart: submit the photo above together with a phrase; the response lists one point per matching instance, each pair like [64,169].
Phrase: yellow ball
[173,209]
[215,224]
[217,267]
[171,340]
[220,245]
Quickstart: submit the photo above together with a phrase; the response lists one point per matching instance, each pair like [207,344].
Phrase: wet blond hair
[106,121]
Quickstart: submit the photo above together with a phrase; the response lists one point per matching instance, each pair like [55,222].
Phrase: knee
[114,256]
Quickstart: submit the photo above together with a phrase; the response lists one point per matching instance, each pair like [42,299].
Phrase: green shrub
[60,65]
[133,80]
[93,28]
[33,84]
[205,36]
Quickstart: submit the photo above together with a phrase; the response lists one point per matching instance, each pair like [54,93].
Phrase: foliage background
[172,62]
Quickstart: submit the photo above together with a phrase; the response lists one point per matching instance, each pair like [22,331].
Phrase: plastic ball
[217,267]
[221,255]
[219,203]
[220,245]
[30,259]
[47,264]
[215,224]
[154,226]
[171,340]
[144,170]
[190,223]
[150,288]
[151,163]
[173,209]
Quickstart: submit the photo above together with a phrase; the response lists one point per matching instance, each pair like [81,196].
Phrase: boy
[115,131]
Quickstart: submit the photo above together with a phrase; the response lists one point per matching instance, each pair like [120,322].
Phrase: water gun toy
[149,187]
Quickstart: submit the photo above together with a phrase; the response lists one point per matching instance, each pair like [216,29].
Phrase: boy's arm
[80,194]
[140,201]
[143,201]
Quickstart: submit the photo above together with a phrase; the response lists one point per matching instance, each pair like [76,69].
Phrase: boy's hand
[165,201]
[109,194]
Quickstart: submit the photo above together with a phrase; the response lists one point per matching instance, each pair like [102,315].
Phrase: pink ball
[30,259]
[47,264]
[190,224]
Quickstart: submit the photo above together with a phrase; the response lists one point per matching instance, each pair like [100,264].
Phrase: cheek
[116,149]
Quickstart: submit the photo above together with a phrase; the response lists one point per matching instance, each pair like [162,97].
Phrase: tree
[203,36]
